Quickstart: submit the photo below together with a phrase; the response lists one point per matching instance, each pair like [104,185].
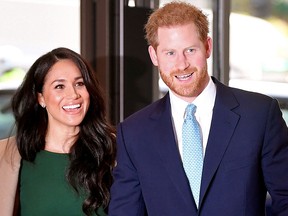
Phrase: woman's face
[64,95]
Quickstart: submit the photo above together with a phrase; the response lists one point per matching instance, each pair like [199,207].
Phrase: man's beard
[191,89]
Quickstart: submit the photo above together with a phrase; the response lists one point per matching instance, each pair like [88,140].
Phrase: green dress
[45,191]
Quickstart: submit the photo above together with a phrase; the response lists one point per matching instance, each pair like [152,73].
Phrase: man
[244,139]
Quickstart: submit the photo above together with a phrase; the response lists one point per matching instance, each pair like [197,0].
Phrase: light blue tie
[192,151]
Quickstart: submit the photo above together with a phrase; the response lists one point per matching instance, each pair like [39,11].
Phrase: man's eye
[190,50]
[170,53]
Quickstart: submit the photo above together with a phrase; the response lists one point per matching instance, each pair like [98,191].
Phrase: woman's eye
[59,86]
[80,84]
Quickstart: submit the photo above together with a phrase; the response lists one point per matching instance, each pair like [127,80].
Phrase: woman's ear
[41,100]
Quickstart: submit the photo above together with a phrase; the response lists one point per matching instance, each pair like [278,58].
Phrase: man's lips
[184,77]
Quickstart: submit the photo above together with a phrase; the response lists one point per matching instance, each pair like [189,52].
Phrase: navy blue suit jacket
[246,155]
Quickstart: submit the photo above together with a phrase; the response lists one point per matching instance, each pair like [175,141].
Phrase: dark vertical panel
[221,13]
[97,46]
[138,69]
[112,40]
[116,66]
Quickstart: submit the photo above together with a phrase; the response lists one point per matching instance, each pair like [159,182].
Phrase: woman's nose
[73,93]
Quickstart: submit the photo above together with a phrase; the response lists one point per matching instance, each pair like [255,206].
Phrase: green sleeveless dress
[44,189]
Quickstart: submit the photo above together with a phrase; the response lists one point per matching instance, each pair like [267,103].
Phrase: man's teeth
[71,106]
[184,76]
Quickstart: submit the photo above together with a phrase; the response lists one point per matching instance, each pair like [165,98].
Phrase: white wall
[38,26]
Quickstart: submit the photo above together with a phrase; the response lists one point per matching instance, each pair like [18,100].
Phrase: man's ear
[209,45]
[153,55]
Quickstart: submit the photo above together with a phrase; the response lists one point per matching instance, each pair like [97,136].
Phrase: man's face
[181,58]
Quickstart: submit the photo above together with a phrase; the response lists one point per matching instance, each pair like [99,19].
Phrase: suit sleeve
[126,195]
[275,160]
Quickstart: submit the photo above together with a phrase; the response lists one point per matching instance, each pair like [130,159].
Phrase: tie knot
[190,110]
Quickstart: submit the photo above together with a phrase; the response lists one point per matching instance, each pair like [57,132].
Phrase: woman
[66,145]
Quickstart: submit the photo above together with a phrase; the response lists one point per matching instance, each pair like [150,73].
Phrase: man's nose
[182,62]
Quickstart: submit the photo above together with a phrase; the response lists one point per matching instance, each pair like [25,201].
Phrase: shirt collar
[204,102]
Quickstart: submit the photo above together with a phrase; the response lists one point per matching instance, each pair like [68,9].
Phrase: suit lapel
[165,145]
[223,124]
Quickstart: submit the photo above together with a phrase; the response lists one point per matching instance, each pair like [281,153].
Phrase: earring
[43,105]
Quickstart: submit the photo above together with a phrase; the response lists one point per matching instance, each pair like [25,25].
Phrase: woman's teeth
[72,106]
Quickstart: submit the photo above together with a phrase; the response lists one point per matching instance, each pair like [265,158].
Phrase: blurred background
[28,29]
[250,47]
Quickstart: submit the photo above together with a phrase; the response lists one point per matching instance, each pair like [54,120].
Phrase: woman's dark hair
[92,156]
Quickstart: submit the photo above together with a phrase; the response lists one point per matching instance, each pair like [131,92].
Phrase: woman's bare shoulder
[7,143]
[8,150]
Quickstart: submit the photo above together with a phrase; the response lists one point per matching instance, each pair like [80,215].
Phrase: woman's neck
[60,141]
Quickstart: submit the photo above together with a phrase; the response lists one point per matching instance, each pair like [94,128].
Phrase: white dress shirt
[204,102]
